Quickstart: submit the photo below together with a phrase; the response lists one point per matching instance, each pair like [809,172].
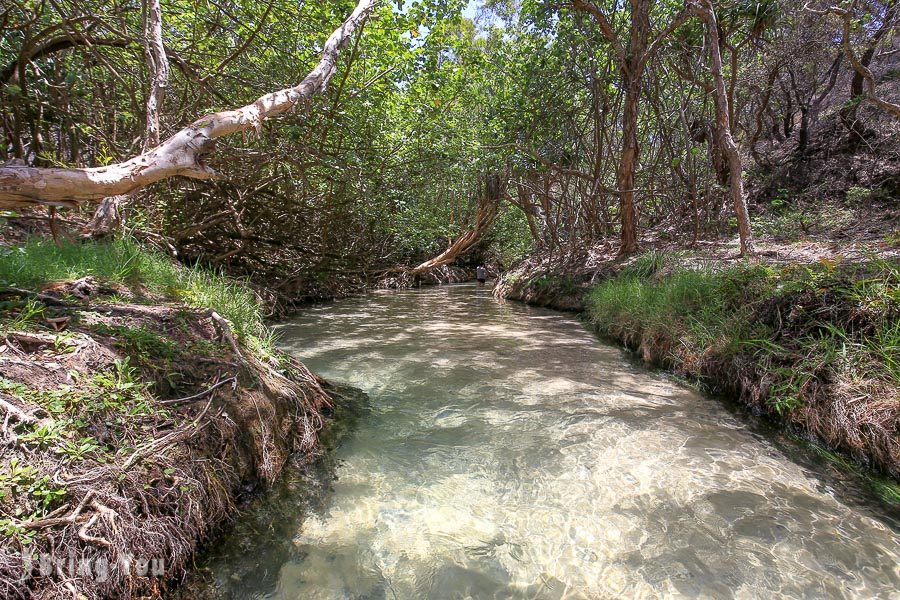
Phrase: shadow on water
[833,474]
[245,561]
[867,490]
[506,453]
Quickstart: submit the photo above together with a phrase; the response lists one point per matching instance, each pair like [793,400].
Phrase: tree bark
[627,167]
[183,153]
[109,217]
[159,70]
[488,206]
[863,83]
[32,53]
[723,127]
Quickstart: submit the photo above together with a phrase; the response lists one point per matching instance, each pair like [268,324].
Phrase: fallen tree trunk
[461,245]
[183,153]
[487,212]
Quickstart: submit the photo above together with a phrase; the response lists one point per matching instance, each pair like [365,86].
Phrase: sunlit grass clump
[146,272]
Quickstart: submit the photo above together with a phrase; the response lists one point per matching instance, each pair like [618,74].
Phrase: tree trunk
[488,205]
[108,218]
[159,70]
[627,166]
[803,141]
[723,128]
[183,153]
[632,75]
[631,60]
[862,86]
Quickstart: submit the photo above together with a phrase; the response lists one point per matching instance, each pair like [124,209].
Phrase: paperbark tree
[632,58]
[182,154]
[108,217]
[725,140]
[863,83]
[155,51]
[488,204]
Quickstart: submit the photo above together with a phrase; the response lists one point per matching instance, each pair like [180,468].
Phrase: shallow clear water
[507,453]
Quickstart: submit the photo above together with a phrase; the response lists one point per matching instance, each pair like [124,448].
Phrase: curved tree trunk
[723,128]
[488,205]
[183,153]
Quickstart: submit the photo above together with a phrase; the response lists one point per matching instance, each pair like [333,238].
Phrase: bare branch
[871,93]
[604,24]
[183,153]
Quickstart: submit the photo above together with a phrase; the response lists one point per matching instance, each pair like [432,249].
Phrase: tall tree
[632,57]
[108,216]
[158,62]
[723,132]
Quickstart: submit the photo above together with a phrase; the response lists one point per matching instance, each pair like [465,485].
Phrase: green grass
[824,336]
[804,323]
[564,284]
[888,490]
[696,306]
[141,341]
[146,272]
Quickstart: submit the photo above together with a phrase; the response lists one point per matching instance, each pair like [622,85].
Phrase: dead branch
[178,435]
[45,298]
[232,380]
[20,414]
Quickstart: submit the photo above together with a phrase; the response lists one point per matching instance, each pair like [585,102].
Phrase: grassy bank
[816,345]
[132,417]
[138,274]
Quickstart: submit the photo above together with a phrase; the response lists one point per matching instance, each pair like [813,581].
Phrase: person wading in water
[481,274]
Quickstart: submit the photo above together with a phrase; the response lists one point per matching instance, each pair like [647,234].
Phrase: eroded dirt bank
[129,431]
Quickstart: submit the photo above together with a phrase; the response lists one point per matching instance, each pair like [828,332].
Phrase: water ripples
[509,454]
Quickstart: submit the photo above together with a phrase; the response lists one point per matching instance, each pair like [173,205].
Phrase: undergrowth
[94,418]
[818,344]
[149,275]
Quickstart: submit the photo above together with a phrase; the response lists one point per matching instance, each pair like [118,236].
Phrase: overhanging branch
[183,153]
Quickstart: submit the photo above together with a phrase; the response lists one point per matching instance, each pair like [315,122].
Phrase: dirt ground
[128,432]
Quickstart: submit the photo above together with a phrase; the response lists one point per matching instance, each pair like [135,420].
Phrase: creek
[506,452]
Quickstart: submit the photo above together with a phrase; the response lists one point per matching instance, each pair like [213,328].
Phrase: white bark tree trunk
[488,205]
[487,213]
[183,153]
[159,70]
[108,217]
